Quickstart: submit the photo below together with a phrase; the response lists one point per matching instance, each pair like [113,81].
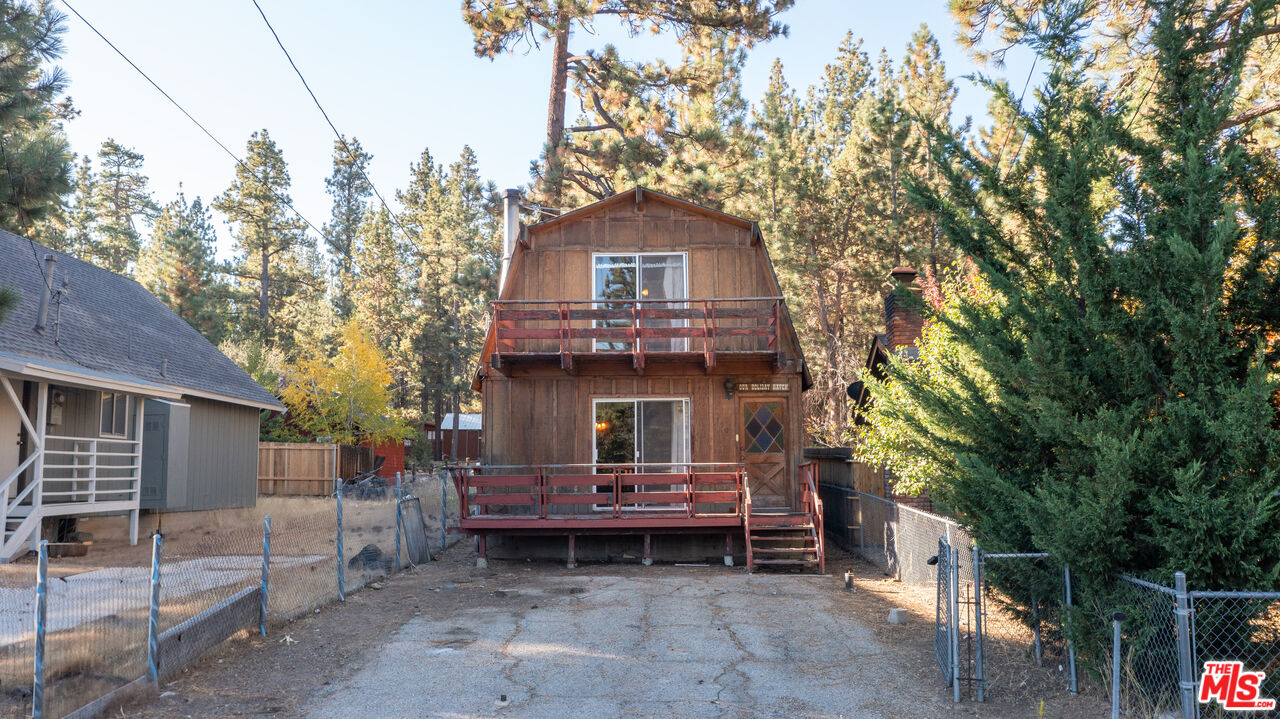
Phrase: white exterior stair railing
[80,475]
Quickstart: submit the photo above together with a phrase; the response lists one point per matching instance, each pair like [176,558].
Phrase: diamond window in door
[764,428]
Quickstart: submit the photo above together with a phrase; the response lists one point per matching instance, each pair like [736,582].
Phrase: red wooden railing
[811,504]
[620,492]
[638,327]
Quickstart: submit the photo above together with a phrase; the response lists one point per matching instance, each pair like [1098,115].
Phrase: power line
[320,107]
[197,123]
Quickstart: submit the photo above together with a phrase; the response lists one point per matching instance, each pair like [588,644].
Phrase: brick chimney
[903,324]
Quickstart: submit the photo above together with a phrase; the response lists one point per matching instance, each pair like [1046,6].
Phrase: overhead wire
[341,139]
[282,199]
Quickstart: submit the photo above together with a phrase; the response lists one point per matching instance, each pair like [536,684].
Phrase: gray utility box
[166,430]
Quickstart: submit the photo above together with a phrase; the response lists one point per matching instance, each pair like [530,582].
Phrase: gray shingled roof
[110,326]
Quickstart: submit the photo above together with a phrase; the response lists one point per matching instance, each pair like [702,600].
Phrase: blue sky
[400,76]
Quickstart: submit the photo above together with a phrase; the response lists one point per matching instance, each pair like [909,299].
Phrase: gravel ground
[537,640]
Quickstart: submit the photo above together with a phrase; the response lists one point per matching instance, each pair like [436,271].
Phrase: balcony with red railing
[573,331]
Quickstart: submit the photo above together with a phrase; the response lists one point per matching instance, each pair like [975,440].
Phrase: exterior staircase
[779,537]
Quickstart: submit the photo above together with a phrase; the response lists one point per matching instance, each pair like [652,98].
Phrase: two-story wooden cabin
[642,376]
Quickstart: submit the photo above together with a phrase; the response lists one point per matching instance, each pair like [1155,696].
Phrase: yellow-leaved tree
[345,398]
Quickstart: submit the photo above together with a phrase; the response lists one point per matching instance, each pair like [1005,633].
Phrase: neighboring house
[642,376]
[468,427]
[110,403]
[903,326]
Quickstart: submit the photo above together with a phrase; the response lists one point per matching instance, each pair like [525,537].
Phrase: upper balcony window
[654,278]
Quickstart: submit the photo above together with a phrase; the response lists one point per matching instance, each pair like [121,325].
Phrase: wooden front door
[763,439]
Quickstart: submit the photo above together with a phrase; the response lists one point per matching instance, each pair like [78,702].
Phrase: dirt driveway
[538,640]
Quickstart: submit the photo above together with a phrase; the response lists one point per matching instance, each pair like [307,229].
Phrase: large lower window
[641,276]
[651,433]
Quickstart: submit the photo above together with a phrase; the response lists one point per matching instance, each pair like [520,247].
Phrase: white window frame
[684,262]
[128,404]
[687,434]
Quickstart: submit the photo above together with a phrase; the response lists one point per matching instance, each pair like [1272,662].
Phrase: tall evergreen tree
[685,134]
[350,190]
[269,238]
[383,299]
[35,162]
[1118,409]
[120,200]
[177,265]
[453,236]
[827,185]
[1122,36]
[504,26]
[81,217]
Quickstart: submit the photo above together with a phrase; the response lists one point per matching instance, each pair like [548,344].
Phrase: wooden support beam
[36,437]
[648,556]
[573,562]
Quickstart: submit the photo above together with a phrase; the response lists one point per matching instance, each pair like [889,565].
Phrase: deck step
[781,523]
[779,538]
[782,550]
[786,561]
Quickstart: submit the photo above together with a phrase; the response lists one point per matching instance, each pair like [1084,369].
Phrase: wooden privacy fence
[836,466]
[307,469]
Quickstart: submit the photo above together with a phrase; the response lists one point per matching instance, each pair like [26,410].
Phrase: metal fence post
[1066,626]
[342,594]
[444,507]
[862,529]
[1116,619]
[954,601]
[1186,673]
[153,618]
[266,562]
[1035,632]
[42,598]
[979,638]
[399,521]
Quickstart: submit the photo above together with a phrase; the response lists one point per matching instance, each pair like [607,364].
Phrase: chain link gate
[957,624]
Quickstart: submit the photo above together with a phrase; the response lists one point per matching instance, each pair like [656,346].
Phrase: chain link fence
[105,628]
[1012,630]
[1167,640]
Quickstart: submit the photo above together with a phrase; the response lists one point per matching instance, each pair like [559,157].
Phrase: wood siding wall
[223,456]
[541,415]
[549,419]
[82,413]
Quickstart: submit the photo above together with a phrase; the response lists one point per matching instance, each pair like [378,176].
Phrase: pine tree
[382,296]
[36,171]
[827,185]
[1117,410]
[350,190]
[684,134]
[453,237]
[503,27]
[177,265]
[269,238]
[81,217]
[120,201]
[1122,36]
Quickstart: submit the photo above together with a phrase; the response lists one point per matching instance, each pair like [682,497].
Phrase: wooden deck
[634,499]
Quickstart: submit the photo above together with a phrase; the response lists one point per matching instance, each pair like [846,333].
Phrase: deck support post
[728,549]
[573,562]
[648,555]
[482,556]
